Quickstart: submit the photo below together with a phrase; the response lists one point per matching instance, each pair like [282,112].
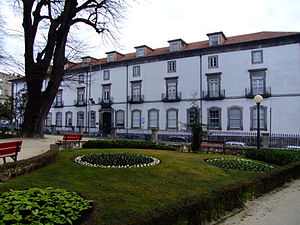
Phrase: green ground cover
[120,193]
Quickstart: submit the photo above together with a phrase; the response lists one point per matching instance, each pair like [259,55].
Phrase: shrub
[240,164]
[273,156]
[42,206]
[116,159]
[125,144]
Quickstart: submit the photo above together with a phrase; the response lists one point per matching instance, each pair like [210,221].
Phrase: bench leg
[4,160]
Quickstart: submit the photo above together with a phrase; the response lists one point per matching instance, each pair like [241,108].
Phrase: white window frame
[120,117]
[235,118]
[174,46]
[92,115]
[140,52]
[69,119]
[136,119]
[214,122]
[106,75]
[49,120]
[58,119]
[111,57]
[136,71]
[214,40]
[153,119]
[80,119]
[262,117]
[172,119]
[257,57]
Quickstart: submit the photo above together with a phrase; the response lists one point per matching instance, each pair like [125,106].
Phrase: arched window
[58,120]
[49,120]
[172,118]
[120,118]
[80,119]
[214,118]
[235,116]
[69,119]
[262,117]
[136,118]
[153,118]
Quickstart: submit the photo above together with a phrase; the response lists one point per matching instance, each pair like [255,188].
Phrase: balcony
[266,93]
[58,104]
[80,102]
[105,102]
[135,99]
[173,98]
[209,96]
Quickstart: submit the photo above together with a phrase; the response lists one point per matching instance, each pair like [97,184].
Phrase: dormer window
[140,52]
[111,57]
[216,38]
[86,61]
[176,45]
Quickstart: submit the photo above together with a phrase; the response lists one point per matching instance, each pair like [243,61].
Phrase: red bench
[70,140]
[10,149]
[213,143]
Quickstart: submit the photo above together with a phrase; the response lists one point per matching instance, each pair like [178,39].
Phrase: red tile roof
[205,44]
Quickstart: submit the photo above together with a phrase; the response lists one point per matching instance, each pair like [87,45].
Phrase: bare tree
[56,17]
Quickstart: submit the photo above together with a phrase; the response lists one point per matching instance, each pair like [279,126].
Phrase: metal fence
[249,138]
[284,140]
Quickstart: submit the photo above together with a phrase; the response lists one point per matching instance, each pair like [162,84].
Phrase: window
[120,118]
[235,116]
[214,40]
[106,93]
[257,56]
[174,46]
[59,98]
[111,57]
[136,91]
[192,116]
[213,61]
[1,80]
[86,61]
[136,71]
[81,78]
[80,119]
[1,91]
[92,119]
[106,75]
[258,82]
[49,119]
[58,121]
[136,119]
[80,96]
[214,118]
[171,89]
[262,117]
[69,119]
[172,119]
[153,118]
[140,52]
[171,66]
[213,83]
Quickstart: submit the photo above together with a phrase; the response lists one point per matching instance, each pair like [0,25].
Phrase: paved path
[32,147]
[280,207]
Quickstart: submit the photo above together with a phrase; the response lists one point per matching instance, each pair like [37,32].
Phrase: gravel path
[279,207]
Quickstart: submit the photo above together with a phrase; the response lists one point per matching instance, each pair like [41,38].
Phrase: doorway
[106,122]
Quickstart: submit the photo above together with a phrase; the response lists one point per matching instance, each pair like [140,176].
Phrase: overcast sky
[154,22]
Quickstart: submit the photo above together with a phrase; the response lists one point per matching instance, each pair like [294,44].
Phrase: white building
[157,88]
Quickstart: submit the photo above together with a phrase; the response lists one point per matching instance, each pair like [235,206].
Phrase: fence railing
[283,140]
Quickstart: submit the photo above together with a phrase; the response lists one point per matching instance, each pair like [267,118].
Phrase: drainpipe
[201,90]
[126,97]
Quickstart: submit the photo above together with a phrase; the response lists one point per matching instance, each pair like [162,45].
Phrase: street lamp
[258,99]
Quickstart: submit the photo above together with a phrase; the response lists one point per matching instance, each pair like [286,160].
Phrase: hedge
[273,156]
[210,206]
[13,169]
[125,144]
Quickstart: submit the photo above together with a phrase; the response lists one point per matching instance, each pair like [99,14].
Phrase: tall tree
[56,17]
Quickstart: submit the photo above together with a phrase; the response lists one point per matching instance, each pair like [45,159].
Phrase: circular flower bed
[42,206]
[117,160]
[240,164]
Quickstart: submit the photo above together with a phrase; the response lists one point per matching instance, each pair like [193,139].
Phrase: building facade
[5,87]
[164,88]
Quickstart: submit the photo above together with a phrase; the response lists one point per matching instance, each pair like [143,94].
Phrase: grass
[122,193]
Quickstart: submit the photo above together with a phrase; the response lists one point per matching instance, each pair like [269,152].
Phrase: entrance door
[106,122]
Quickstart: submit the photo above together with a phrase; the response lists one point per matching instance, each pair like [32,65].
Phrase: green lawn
[121,193]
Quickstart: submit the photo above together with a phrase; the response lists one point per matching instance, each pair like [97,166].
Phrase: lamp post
[258,99]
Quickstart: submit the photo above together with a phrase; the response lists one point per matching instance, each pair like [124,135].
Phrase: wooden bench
[10,149]
[70,140]
[213,143]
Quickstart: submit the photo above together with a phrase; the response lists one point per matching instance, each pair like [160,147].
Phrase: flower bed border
[156,161]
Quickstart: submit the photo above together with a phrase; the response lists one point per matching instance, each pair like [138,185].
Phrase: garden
[102,185]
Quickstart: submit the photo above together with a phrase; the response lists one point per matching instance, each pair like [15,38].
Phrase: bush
[273,156]
[117,160]
[125,144]
[240,164]
[42,206]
